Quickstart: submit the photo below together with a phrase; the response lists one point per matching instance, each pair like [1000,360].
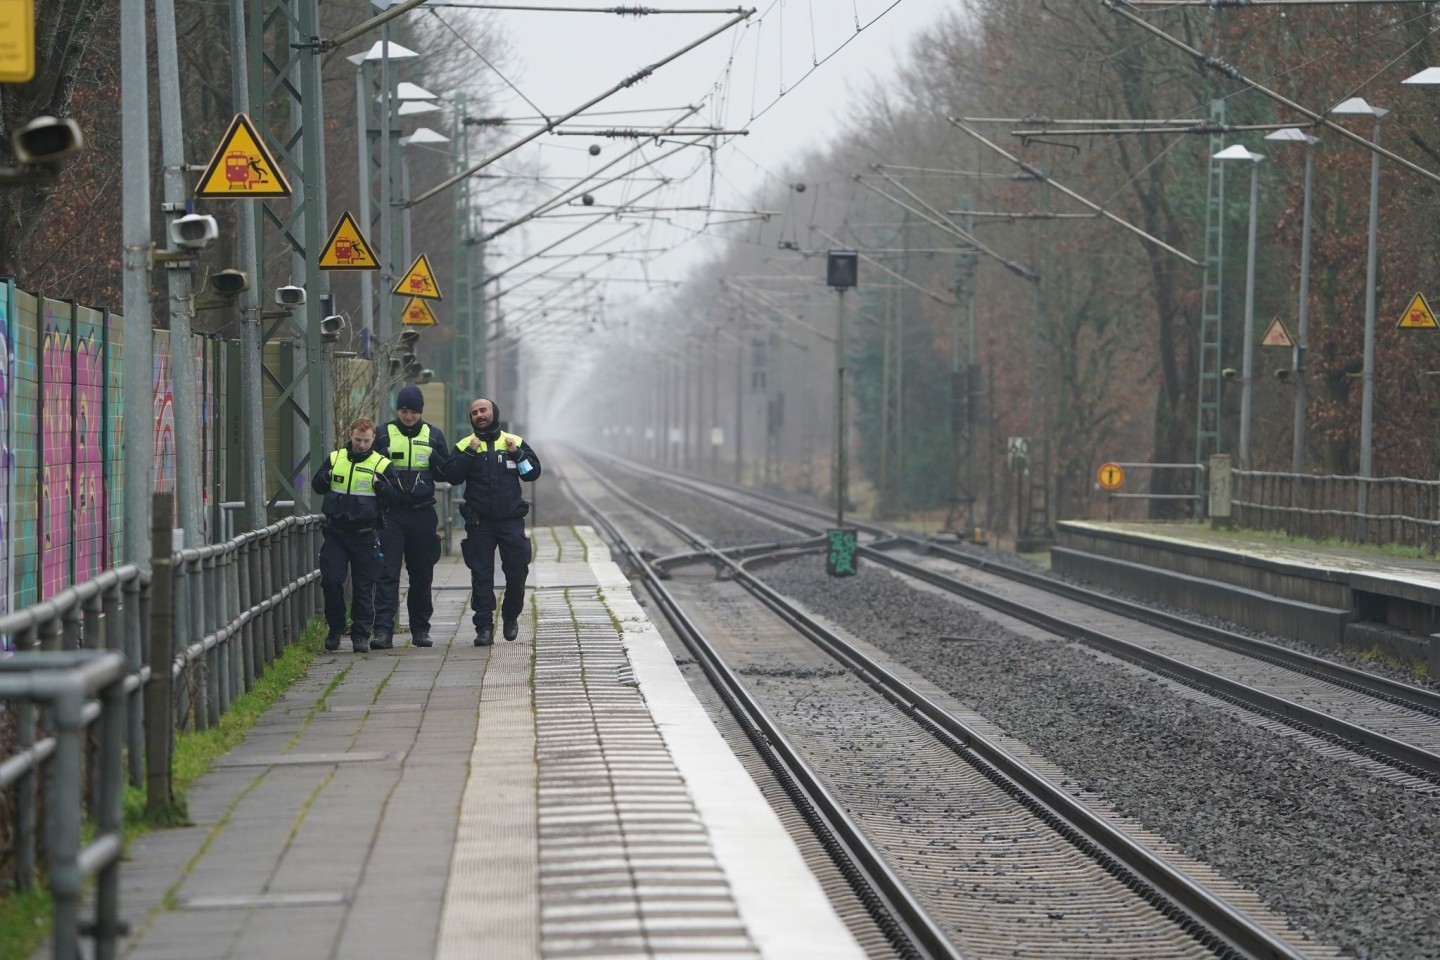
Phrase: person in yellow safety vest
[492,463]
[417,452]
[357,486]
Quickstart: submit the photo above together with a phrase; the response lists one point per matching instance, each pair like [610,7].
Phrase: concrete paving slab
[517,801]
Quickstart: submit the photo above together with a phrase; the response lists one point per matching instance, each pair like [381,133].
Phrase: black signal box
[842,269]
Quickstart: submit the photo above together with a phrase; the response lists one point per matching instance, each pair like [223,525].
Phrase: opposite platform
[561,796]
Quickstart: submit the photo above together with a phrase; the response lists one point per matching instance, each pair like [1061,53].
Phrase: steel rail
[896,912]
[1184,901]
[1384,749]
[1397,692]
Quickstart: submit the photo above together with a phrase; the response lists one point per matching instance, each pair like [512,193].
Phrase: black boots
[510,628]
[485,635]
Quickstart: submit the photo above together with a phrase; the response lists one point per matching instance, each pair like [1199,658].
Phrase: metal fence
[1379,511]
[1190,474]
[88,709]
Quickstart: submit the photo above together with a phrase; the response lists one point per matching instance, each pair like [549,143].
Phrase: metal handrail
[1375,510]
[220,613]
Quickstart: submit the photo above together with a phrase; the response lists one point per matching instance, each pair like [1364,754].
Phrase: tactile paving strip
[626,866]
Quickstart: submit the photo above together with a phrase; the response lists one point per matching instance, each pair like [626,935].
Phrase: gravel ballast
[1344,853]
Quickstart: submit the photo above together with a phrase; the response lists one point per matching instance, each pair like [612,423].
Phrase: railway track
[1380,721]
[998,856]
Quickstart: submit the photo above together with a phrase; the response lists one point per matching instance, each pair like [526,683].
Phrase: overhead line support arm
[506,151]
[1320,119]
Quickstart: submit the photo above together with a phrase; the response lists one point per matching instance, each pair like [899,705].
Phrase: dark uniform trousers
[408,535]
[359,551]
[478,548]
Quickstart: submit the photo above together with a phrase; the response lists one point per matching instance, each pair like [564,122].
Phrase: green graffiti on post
[840,557]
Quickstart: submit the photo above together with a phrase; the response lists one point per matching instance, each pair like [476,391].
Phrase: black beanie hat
[411,398]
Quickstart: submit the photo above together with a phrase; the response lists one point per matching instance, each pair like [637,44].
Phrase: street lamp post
[1302,342]
[1247,378]
[382,51]
[421,136]
[1357,107]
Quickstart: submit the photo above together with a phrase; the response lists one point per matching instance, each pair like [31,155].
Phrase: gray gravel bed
[724,526]
[1347,855]
[1344,854]
[1379,667]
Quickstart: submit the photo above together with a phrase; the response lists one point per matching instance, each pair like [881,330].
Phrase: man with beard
[492,463]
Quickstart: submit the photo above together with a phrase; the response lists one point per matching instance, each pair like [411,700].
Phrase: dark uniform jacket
[492,476]
[356,489]
[408,448]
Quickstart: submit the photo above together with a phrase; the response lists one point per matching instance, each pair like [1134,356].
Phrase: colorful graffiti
[62,440]
[6,375]
[163,394]
[57,446]
[90,537]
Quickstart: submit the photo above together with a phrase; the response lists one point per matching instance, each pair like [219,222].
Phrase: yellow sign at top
[1418,316]
[242,167]
[417,314]
[17,41]
[347,248]
[1276,335]
[1111,476]
[419,281]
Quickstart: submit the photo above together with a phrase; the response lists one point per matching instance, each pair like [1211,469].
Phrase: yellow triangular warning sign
[242,167]
[419,281]
[1418,316]
[347,248]
[417,314]
[1276,335]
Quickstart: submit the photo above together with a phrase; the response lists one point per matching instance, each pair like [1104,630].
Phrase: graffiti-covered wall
[61,440]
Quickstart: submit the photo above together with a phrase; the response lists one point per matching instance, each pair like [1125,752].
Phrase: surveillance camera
[426,375]
[394,366]
[47,140]
[194,231]
[408,337]
[230,283]
[1229,373]
[332,324]
[407,359]
[290,296]
[413,369]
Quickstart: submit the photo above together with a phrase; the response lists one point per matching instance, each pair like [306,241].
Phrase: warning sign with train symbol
[347,248]
[419,281]
[418,314]
[1418,316]
[242,167]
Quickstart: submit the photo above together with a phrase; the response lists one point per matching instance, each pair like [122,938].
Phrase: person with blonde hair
[357,485]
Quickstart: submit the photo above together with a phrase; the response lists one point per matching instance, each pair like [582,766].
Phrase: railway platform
[564,795]
[1329,595]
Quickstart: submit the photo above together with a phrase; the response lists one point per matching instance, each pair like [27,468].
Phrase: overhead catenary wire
[1232,72]
[943,222]
[622,85]
[570,191]
[940,298]
[1035,171]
